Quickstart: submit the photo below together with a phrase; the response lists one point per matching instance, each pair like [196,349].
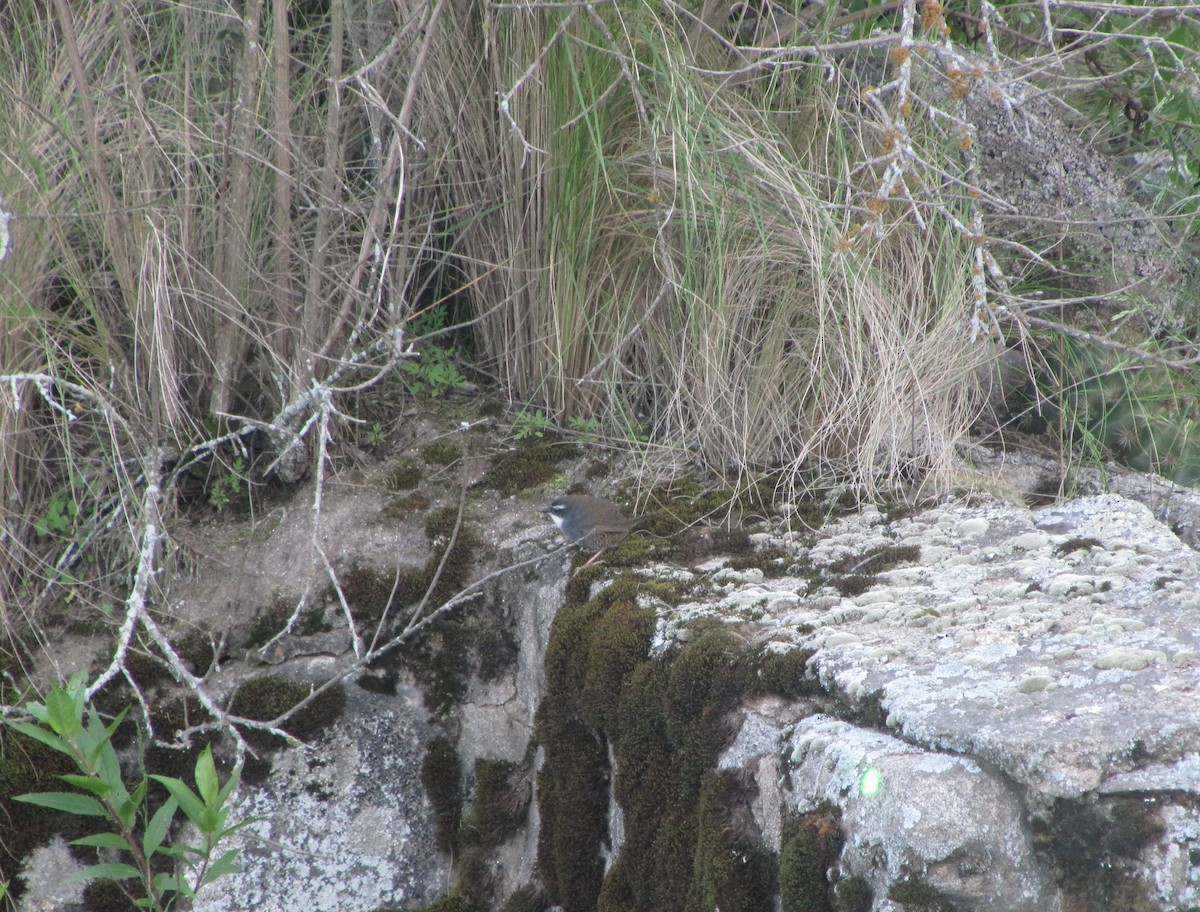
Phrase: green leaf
[127,810]
[156,829]
[70,802]
[40,734]
[102,841]
[191,804]
[228,788]
[89,783]
[170,883]
[60,712]
[226,864]
[109,871]
[217,837]
[38,711]
[206,777]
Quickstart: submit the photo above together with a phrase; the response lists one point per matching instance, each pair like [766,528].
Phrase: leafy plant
[227,485]
[60,516]
[376,436]
[582,425]
[68,724]
[530,424]
[433,371]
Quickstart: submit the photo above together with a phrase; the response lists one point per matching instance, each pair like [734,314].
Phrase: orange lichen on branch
[931,12]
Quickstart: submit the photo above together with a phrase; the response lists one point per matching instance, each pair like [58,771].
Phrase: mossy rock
[529,898]
[1093,844]
[30,766]
[809,846]
[665,719]
[442,778]
[785,674]
[500,804]
[111,896]
[403,475]
[529,466]
[731,871]
[442,452]
[268,696]
[273,618]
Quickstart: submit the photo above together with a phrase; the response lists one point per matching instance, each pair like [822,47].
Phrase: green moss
[1077,544]
[773,562]
[271,619]
[30,766]
[145,665]
[665,720]
[617,644]
[918,895]
[442,779]
[451,903]
[266,697]
[197,648]
[853,894]
[785,674]
[524,467]
[731,870]
[500,804]
[876,560]
[810,845]
[402,506]
[111,896]
[442,452]
[171,716]
[402,475]
[573,785]
[368,591]
[868,710]
[456,566]
[529,898]
[597,470]
[1096,846]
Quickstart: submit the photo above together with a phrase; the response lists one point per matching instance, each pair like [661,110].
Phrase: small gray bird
[590,522]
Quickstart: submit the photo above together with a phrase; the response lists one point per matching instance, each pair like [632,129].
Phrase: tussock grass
[193,251]
[693,291]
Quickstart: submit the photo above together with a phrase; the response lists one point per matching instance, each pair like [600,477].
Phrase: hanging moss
[573,785]
[810,846]
[573,803]
[666,721]
[732,872]
[500,805]
[442,779]
[785,674]
[530,898]
[452,903]
[853,894]
[1095,847]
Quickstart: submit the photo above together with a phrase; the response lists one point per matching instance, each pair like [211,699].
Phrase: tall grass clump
[695,288]
[209,239]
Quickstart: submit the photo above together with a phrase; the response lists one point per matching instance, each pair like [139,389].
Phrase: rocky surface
[1016,662]
[996,706]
